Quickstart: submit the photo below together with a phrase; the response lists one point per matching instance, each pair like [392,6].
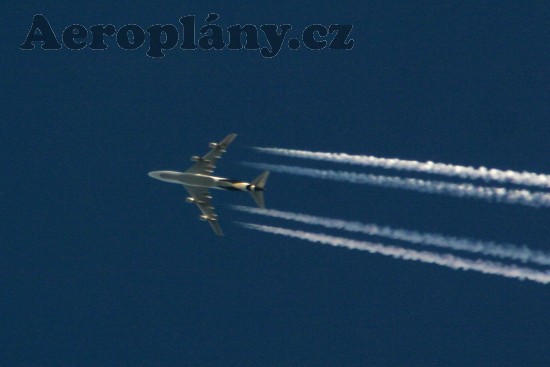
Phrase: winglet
[228,140]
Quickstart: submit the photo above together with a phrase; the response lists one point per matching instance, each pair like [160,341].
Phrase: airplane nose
[154,174]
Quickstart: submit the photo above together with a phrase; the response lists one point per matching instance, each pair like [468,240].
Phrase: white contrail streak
[504,251]
[465,172]
[450,261]
[491,194]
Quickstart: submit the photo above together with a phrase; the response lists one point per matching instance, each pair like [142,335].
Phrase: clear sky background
[102,266]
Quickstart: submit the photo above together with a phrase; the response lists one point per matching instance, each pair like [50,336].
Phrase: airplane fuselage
[200,180]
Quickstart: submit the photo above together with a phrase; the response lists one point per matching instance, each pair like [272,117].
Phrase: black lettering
[69,36]
[155,40]
[274,38]
[46,35]
[342,33]
[188,23]
[235,32]
[123,38]
[212,34]
[308,36]
[97,35]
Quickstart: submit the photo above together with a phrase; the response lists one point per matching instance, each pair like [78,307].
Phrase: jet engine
[196,158]
[190,200]
[207,217]
[213,145]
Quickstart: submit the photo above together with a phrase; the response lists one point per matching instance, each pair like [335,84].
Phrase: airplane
[198,179]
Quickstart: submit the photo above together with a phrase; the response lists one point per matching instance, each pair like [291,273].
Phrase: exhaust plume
[452,170]
[504,251]
[491,194]
[449,261]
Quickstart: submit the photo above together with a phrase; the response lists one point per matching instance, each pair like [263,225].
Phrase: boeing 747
[198,179]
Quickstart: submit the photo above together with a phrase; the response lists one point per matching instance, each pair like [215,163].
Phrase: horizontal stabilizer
[261,180]
[258,197]
[258,191]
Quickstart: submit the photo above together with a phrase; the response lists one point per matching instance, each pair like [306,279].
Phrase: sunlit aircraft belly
[198,180]
[193,179]
[215,182]
[189,179]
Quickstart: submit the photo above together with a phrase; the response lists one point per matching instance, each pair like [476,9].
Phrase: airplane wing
[203,200]
[205,165]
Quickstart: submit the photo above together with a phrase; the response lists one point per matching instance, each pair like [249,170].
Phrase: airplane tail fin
[258,194]
[260,181]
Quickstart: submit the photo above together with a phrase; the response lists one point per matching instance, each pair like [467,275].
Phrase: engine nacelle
[190,200]
[196,158]
[213,145]
[208,217]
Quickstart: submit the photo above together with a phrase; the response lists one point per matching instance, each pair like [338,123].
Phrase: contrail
[504,251]
[465,172]
[491,194]
[450,261]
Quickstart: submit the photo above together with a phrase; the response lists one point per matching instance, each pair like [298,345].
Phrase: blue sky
[101,265]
